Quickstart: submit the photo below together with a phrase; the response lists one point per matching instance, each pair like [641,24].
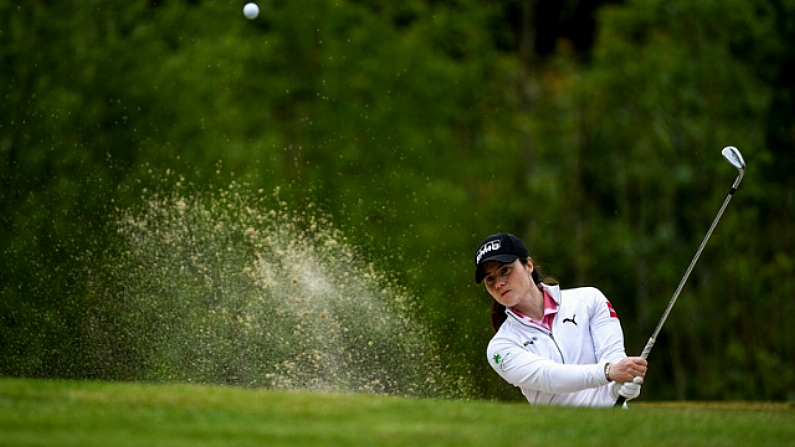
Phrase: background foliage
[420,127]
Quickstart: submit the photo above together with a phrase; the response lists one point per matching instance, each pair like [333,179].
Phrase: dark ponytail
[498,316]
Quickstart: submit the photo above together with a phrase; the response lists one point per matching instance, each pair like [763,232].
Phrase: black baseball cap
[500,247]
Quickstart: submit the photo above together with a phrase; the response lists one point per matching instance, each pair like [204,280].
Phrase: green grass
[66,413]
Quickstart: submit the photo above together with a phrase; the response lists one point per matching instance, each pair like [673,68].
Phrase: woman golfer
[559,346]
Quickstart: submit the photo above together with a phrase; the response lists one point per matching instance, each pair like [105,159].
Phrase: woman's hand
[627,369]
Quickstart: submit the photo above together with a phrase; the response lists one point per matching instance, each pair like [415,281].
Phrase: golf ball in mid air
[251,11]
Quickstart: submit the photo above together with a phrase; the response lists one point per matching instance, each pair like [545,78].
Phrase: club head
[733,155]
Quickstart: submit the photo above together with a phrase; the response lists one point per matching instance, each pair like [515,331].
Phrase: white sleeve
[606,332]
[528,370]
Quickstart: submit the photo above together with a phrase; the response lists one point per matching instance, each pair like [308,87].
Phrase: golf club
[732,154]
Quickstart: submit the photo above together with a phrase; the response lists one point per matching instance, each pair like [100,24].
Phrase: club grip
[645,354]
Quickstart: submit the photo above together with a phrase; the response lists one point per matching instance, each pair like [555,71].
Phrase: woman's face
[509,283]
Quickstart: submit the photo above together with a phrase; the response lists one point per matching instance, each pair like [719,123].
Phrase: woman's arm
[528,370]
[606,331]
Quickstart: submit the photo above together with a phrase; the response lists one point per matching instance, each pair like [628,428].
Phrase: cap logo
[487,247]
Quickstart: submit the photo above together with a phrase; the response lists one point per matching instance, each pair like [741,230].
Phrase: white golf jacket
[565,366]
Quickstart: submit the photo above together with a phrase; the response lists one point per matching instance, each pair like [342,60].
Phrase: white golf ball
[251,11]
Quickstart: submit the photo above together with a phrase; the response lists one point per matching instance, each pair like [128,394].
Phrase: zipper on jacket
[555,342]
[543,331]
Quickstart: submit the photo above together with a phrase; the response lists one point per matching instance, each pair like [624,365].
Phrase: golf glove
[629,390]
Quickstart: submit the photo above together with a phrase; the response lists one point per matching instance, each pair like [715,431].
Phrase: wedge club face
[733,155]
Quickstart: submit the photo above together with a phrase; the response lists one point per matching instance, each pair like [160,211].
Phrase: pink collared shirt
[550,309]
